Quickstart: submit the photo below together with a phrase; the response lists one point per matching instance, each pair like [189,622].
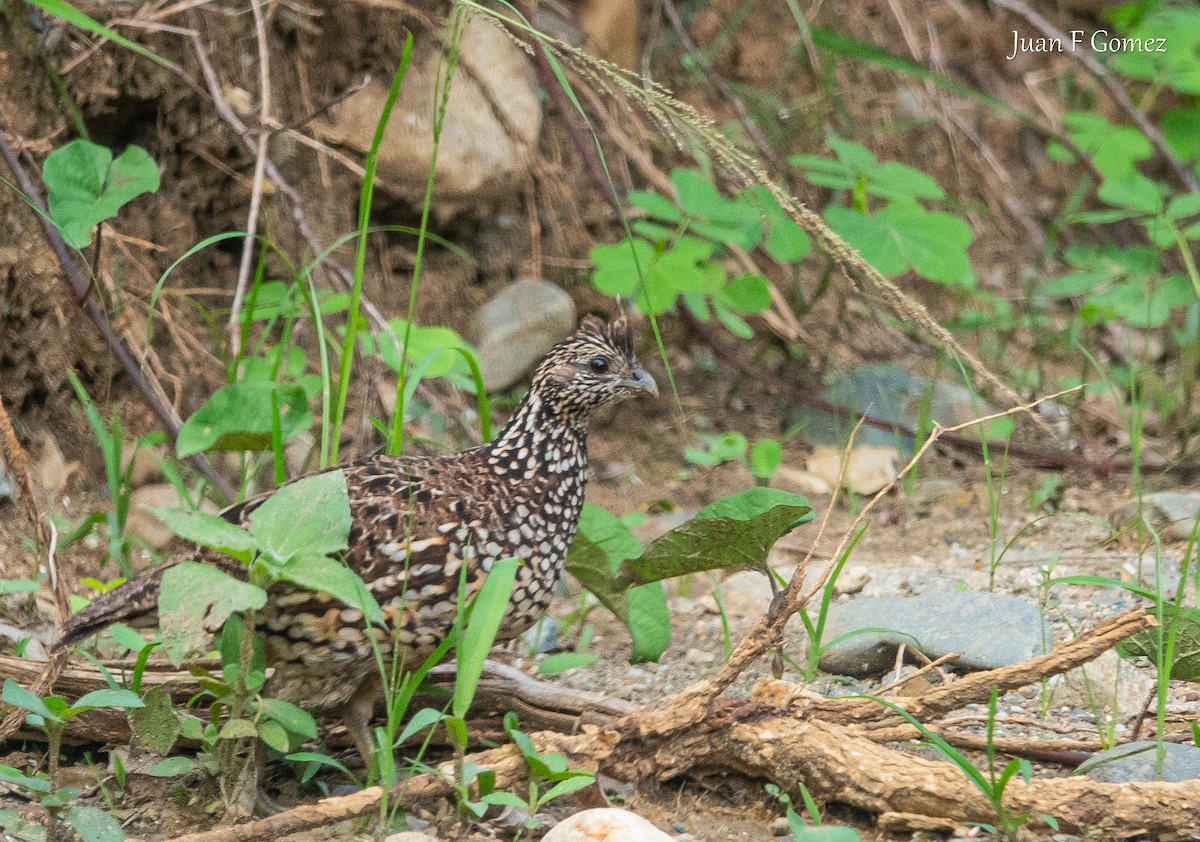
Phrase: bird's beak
[642,381]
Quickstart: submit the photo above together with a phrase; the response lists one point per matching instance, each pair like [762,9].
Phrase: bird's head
[594,367]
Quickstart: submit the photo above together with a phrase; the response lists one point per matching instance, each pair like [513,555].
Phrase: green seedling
[816,831]
[50,715]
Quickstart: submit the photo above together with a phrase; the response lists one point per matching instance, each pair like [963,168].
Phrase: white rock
[853,579]
[478,156]
[411,836]
[517,327]
[605,824]
[794,479]
[868,468]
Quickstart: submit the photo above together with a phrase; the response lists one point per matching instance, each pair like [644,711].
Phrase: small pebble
[678,827]
[780,827]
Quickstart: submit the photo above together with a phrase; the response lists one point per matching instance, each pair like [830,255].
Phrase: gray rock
[517,327]
[888,392]
[1137,762]
[1172,511]
[542,636]
[991,630]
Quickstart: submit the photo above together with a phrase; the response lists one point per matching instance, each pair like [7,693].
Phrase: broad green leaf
[237,729]
[480,634]
[274,735]
[786,241]
[310,515]
[238,417]
[1184,206]
[563,661]
[87,186]
[893,180]
[617,265]
[736,531]
[1133,191]
[569,785]
[421,720]
[655,205]
[95,825]
[156,725]
[15,776]
[1181,128]
[1114,149]
[1177,64]
[108,699]
[18,696]
[649,622]
[295,719]
[328,575]
[747,293]
[11,586]
[441,345]
[127,637]
[1186,657]
[904,235]
[208,529]
[172,767]
[610,534]
[194,601]
[765,457]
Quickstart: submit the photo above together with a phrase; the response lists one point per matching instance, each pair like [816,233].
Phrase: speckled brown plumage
[415,520]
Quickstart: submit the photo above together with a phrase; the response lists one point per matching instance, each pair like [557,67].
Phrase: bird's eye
[599,365]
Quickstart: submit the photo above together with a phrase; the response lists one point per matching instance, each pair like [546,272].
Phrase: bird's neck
[537,440]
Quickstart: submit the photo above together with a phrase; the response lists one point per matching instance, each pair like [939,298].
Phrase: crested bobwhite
[416,519]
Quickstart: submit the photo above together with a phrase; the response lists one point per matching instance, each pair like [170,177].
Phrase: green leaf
[422,719]
[108,699]
[574,783]
[747,293]
[904,235]
[87,186]
[1185,622]
[208,529]
[1114,149]
[194,601]
[1184,206]
[172,767]
[156,725]
[649,622]
[736,531]
[295,719]
[487,611]
[236,729]
[899,181]
[274,735]
[331,576]
[15,776]
[765,458]
[1181,128]
[442,346]
[655,205]
[310,515]
[127,637]
[238,417]
[563,661]
[1177,65]
[95,825]
[18,696]
[787,242]
[11,586]
[1133,191]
